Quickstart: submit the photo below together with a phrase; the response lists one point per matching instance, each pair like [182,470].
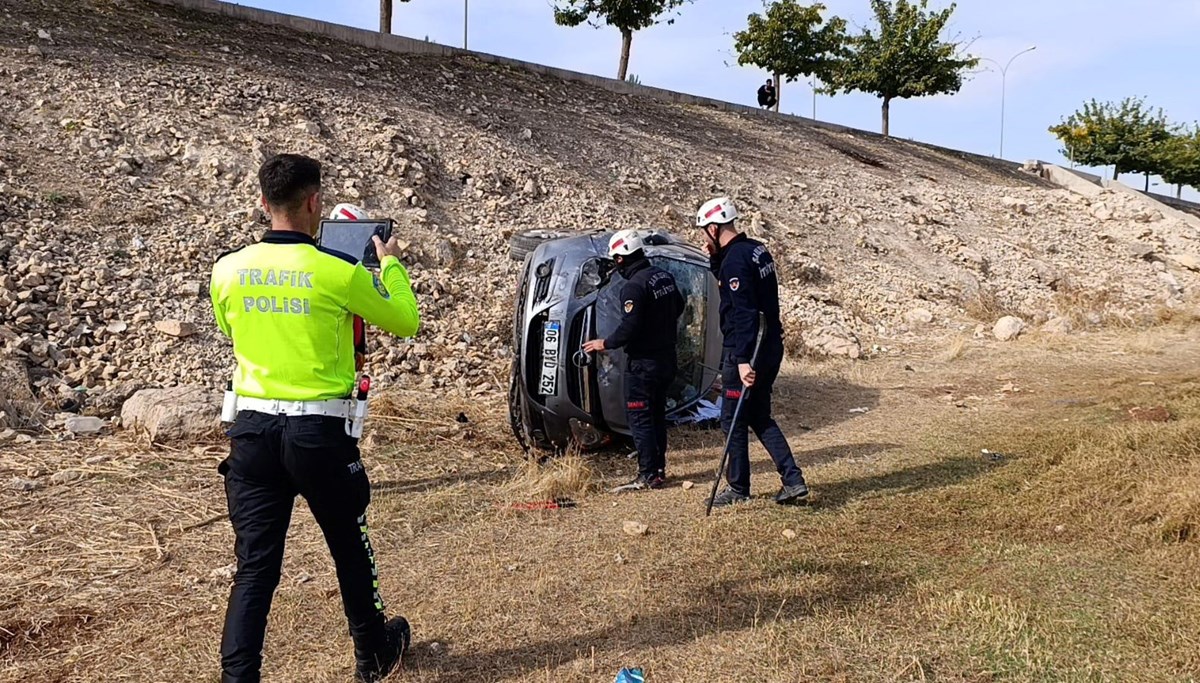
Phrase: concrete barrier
[1090,185]
[1172,212]
[1065,177]
[403,45]
[1185,205]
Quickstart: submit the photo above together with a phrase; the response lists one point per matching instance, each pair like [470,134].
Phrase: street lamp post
[1004,87]
[466,13]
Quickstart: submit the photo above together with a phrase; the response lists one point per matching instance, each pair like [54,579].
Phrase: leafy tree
[790,42]
[1128,136]
[904,56]
[627,16]
[1179,160]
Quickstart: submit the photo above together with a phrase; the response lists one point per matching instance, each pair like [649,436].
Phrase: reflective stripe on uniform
[289,309]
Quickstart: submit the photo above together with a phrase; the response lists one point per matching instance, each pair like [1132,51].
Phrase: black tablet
[353,238]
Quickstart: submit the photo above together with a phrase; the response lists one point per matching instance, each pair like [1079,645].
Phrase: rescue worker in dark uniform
[289,308]
[748,284]
[651,305]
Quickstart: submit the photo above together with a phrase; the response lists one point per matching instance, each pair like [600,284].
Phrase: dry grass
[569,476]
[1085,306]
[956,349]
[984,305]
[1178,317]
[1072,558]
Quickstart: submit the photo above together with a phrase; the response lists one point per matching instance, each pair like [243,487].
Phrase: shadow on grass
[822,456]
[760,463]
[718,607]
[922,477]
[803,402]
[799,403]
[429,483]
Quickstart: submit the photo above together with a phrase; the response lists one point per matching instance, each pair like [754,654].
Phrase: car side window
[692,281]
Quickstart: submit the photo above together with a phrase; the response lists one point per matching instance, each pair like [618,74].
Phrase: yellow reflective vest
[289,307]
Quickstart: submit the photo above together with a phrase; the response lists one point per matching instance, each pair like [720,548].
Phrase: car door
[699,346]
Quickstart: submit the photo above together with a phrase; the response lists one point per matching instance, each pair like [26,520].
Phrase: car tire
[522,244]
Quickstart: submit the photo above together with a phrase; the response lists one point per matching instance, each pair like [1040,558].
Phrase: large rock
[918,316]
[1171,282]
[1008,328]
[1188,261]
[175,328]
[1058,325]
[1015,205]
[832,341]
[107,402]
[174,414]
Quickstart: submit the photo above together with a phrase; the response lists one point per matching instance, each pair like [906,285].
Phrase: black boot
[373,663]
[793,495]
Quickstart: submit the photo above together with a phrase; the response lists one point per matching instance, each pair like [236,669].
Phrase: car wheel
[515,413]
[522,243]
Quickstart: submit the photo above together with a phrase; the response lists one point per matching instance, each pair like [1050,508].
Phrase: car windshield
[692,280]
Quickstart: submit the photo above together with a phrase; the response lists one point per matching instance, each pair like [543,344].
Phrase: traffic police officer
[289,308]
[748,284]
[650,305]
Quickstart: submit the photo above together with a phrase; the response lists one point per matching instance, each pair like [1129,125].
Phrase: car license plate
[551,336]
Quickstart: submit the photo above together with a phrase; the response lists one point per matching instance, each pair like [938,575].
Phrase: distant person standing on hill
[766,95]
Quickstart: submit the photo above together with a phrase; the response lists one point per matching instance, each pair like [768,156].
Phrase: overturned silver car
[567,293]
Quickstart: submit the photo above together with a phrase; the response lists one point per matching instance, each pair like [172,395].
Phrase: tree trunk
[626,42]
[1147,182]
[778,92]
[385,16]
[1179,191]
[887,105]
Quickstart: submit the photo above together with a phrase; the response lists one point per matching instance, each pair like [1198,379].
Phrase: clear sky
[1103,49]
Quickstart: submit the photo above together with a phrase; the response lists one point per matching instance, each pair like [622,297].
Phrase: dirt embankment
[130,133]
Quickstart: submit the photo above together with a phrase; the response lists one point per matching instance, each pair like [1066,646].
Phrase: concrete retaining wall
[1075,182]
[401,44]
[1090,185]
[1190,219]
[1183,204]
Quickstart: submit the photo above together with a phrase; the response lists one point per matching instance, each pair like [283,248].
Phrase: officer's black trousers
[271,460]
[646,384]
[756,415]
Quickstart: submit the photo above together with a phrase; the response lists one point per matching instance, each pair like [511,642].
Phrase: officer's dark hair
[289,179]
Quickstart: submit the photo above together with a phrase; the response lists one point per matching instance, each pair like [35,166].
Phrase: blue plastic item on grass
[630,676]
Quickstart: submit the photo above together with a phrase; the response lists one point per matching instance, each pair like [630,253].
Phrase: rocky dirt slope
[130,134]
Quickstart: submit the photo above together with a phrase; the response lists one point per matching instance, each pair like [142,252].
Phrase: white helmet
[624,243]
[348,212]
[716,212]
